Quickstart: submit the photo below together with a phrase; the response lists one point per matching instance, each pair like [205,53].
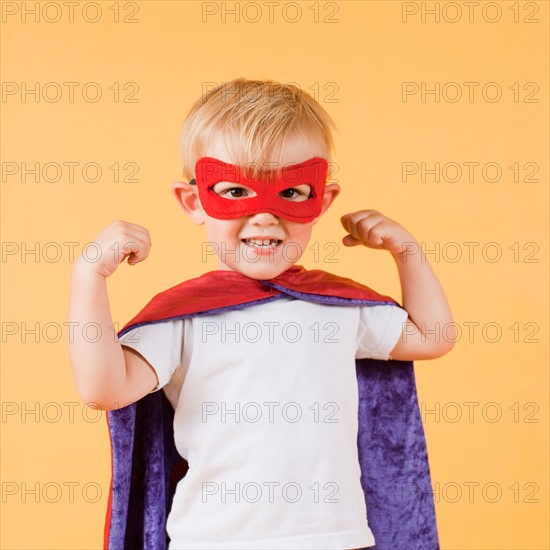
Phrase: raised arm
[429,331]
[106,375]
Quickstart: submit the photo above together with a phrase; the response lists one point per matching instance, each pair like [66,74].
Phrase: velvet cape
[395,474]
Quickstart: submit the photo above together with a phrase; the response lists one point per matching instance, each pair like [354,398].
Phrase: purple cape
[146,465]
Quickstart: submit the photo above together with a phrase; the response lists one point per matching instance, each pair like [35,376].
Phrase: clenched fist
[118,241]
[374,230]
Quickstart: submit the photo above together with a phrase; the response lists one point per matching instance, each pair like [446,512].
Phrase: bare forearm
[96,358]
[422,294]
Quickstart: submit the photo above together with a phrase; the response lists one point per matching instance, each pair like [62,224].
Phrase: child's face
[227,237]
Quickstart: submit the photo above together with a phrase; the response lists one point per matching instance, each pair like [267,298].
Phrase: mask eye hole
[298,193]
[232,191]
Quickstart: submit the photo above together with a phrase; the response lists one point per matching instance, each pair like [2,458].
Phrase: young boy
[266,416]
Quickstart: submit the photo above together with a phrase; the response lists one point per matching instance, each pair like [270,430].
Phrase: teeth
[266,243]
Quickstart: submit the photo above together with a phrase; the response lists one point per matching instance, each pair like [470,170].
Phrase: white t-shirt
[266,414]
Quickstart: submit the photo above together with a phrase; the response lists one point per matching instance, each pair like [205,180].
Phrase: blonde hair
[256,118]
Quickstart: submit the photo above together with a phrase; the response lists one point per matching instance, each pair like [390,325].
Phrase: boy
[267,422]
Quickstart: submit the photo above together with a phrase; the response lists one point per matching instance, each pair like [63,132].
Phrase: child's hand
[117,241]
[374,230]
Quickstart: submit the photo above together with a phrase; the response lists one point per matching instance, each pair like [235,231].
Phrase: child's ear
[331,192]
[188,198]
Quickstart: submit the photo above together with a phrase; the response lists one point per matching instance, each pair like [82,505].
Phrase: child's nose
[263,218]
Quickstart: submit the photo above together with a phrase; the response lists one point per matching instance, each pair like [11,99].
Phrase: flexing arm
[429,331]
[106,374]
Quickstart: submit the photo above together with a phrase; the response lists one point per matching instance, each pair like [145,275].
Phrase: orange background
[356,65]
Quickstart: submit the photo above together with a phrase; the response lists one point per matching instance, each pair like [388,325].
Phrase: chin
[259,271]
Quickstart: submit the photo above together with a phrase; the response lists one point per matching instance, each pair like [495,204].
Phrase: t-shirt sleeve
[161,344]
[380,328]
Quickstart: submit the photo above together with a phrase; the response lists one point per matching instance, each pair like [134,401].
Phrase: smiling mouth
[266,243]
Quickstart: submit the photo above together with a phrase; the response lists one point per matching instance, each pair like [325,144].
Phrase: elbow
[98,400]
[100,404]
[92,400]
[440,349]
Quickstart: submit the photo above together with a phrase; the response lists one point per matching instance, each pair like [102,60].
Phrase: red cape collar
[223,290]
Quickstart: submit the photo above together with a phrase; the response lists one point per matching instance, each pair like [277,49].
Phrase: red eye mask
[267,187]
